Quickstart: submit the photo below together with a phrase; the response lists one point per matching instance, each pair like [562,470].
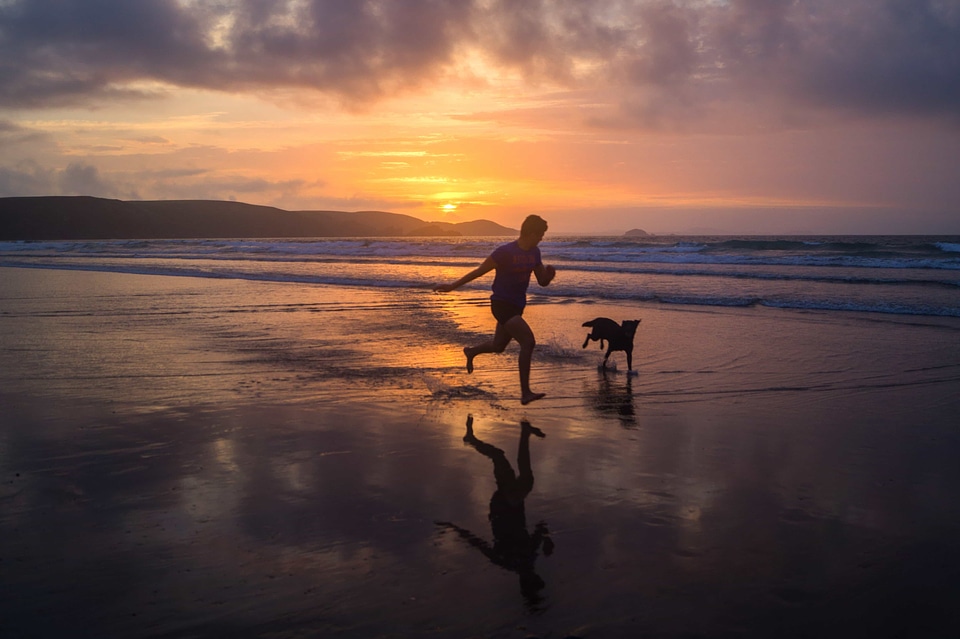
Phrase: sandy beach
[189,457]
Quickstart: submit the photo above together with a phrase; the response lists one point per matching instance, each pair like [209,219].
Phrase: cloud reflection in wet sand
[295,519]
[774,496]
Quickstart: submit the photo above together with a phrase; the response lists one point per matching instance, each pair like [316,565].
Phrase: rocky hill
[91,218]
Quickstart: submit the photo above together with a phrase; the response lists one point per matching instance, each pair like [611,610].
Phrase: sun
[449,207]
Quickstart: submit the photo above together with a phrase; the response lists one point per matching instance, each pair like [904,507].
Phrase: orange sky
[714,116]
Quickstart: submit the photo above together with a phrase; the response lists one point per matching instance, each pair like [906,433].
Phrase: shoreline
[183,458]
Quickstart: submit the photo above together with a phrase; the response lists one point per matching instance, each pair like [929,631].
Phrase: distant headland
[92,218]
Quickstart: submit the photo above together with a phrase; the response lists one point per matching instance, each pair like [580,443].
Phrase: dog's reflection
[514,547]
[615,397]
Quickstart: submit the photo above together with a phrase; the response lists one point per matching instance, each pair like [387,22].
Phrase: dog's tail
[590,323]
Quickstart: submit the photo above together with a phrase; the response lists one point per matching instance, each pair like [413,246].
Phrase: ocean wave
[226,274]
[592,295]
[854,274]
[767,275]
[903,275]
[900,252]
[764,245]
[897,253]
[879,307]
[888,308]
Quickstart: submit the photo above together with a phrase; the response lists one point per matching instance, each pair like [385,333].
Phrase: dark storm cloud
[358,49]
[865,55]
[882,56]
[56,52]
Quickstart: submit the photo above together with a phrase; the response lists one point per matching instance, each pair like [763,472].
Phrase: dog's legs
[586,341]
[605,359]
[629,360]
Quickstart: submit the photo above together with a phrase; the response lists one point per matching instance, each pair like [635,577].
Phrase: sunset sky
[675,116]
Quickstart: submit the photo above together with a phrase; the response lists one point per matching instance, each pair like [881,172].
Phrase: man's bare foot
[531,397]
[466,351]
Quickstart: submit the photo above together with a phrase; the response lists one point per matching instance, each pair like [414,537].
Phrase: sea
[901,275]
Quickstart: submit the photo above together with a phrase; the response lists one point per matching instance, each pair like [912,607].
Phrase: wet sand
[188,458]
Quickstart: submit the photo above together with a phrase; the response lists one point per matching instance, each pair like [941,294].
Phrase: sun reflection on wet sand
[276,459]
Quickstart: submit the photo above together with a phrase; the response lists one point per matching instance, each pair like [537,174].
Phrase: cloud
[13,134]
[83,178]
[26,179]
[63,52]
[205,184]
[874,56]
[80,178]
[296,202]
[72,50]
[151,139]
[664,58]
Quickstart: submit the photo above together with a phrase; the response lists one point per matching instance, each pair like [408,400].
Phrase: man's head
[533,227]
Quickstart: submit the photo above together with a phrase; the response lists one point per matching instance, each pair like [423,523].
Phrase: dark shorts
[504,311]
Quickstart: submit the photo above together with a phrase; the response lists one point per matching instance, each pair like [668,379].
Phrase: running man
[513,263]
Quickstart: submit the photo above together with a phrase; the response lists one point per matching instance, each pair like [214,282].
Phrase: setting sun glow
[668,122]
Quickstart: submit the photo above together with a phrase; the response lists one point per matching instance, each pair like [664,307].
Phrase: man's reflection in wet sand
[514,548]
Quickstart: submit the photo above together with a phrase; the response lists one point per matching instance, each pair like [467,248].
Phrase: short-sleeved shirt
[514,266]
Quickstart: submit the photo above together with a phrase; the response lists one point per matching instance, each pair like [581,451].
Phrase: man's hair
[533,225]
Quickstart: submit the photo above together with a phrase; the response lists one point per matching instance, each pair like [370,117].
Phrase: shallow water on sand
[187,457]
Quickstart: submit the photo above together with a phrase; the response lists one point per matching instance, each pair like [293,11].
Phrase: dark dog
[619,337]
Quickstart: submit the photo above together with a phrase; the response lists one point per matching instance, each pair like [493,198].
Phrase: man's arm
[545,274]
[488,265]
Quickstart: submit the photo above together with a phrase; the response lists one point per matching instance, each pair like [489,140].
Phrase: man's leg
[495,345]
[518,329]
